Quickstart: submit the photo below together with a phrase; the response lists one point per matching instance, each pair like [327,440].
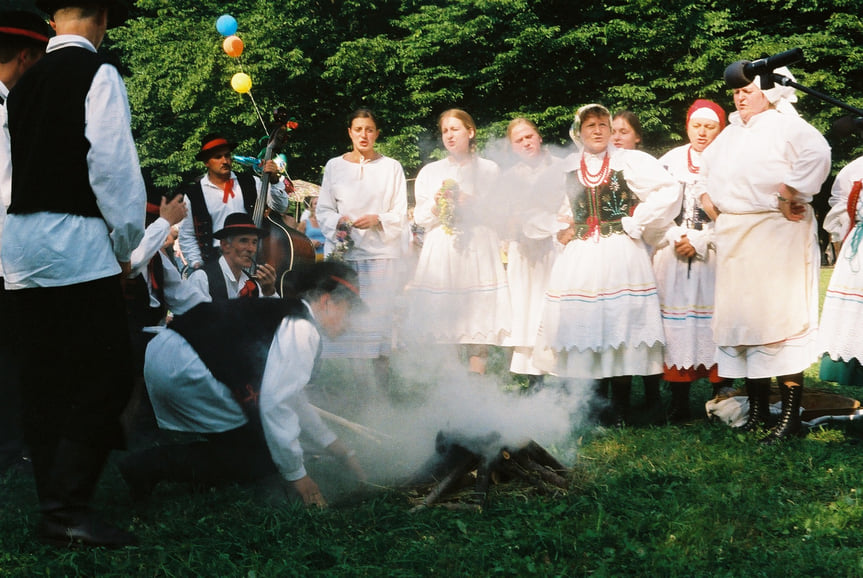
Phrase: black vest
[46,113]
[202,219]
[233,338]
[216,282]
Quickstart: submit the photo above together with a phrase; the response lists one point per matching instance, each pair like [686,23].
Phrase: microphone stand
[785,81]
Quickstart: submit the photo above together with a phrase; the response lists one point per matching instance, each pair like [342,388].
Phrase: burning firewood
[481,461]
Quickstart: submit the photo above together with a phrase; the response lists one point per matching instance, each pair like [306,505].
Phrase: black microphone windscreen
[735,75]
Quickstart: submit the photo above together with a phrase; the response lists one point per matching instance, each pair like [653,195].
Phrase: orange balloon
[233,46]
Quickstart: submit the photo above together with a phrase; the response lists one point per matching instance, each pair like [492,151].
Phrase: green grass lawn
[693,500]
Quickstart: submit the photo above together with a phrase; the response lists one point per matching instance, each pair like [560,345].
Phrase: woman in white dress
[842,313]
[362,212]
[459,293]
[760,175]
[534,189]
[601,316]
[685,266]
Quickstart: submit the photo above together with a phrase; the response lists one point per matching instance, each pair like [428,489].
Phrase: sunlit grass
[697,499]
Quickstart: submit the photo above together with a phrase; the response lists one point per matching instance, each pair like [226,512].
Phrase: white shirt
[277,200]
[352,190]
[56,249]
[180,295]
[748,162]
[201,282]
[5,163]
[285,410]
[838,221]
[186,396]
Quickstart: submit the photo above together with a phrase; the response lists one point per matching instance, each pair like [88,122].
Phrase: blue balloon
[226,25]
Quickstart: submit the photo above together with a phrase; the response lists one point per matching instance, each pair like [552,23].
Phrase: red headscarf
[709,105]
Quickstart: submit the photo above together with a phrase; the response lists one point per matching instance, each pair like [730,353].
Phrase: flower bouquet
[447,199]
[344,242]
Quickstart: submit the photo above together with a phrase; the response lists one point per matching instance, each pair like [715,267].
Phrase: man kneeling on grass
[235,372]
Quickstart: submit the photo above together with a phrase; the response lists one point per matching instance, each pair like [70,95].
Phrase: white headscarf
[575,129]
[781,97]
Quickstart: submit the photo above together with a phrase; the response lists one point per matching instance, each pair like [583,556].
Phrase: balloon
[233,46]
[241,82]
[226,25]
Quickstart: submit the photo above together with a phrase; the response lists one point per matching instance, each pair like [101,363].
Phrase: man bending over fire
[236,372]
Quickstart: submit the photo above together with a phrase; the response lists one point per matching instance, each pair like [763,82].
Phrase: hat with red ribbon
[211,143]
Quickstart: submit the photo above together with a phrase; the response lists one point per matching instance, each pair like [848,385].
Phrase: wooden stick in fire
[368,432]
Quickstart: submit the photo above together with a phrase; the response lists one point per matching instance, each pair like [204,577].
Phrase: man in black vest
[218,194]
[64,250]
[23,36]
[227,277]
[235,371]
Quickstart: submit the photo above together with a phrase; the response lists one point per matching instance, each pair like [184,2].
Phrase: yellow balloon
[241,82]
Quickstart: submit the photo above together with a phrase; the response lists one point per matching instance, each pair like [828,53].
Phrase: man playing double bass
[219,193]
[227,277]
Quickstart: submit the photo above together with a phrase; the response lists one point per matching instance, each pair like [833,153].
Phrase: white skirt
[686,301]
[842,313]
[601,316]
[459,293]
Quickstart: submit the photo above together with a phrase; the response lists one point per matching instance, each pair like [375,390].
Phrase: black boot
[652,398]
[679,411]
[67,519]
[789,422]
[620,392]
[758,392]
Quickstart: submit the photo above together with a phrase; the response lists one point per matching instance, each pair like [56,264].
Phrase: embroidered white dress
[459,292]
[765,319]
[842,313]
[686,285]
[534,195]
[601,316]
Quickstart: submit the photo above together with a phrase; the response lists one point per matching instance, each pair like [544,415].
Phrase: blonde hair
[519,121]
[465,119]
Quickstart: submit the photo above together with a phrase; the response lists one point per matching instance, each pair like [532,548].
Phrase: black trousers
[11,444]
[76,366]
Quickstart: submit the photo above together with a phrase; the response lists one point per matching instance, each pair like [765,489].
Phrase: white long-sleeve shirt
[747,163]
[838,221]
[5,163]
[46,249]
[355,189]
[186,396]
[180,295]
[277,200]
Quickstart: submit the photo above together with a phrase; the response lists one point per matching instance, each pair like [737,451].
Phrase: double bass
[285,247]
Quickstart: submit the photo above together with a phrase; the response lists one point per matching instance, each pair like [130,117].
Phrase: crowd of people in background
[605,266]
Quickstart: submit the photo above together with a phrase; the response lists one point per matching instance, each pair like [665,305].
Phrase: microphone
[743,72]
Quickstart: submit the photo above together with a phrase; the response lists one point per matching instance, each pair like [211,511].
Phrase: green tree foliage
[412,59]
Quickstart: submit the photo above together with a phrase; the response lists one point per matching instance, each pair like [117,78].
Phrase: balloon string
[258,112]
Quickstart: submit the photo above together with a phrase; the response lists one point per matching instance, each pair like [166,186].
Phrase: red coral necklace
[596,179]
[692,167]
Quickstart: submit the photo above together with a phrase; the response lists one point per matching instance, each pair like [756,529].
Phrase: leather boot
[789,421]
[67,519]
[679,411]
[620,392]
[652,398]
[758,392]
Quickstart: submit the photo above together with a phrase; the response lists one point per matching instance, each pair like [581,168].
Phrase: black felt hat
[211,142]
[239,224]
[22,19]
[118,10]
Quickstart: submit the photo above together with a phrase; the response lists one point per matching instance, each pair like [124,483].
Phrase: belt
[606,229]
